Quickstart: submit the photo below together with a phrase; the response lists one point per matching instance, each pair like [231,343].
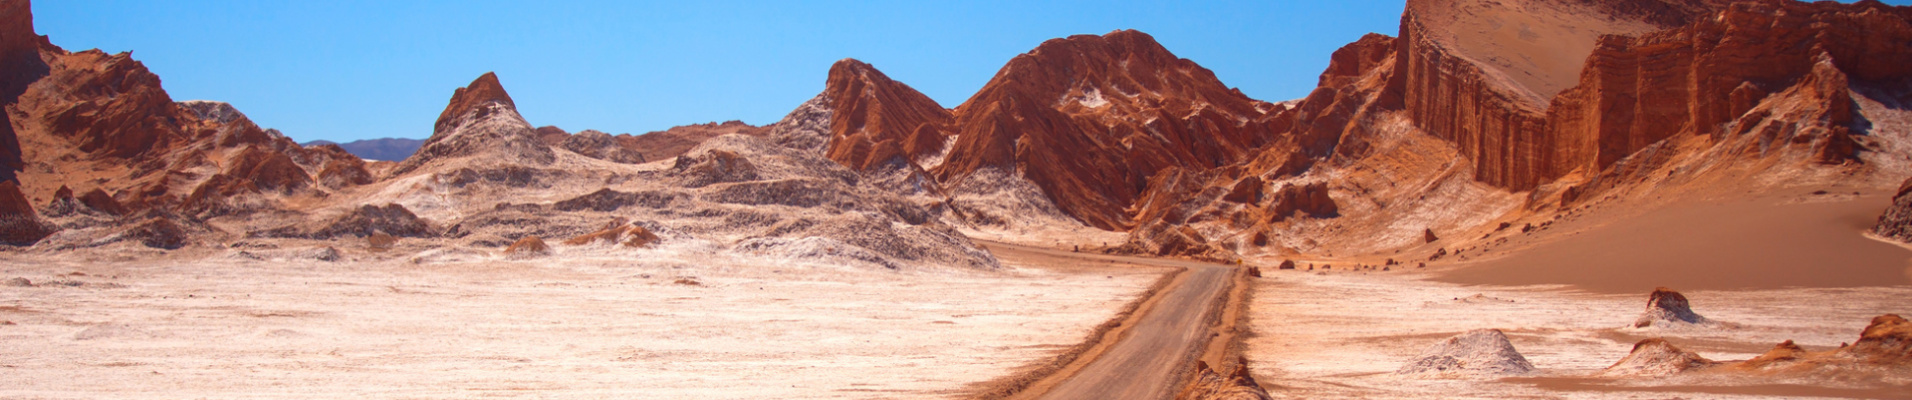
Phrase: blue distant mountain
[387,149]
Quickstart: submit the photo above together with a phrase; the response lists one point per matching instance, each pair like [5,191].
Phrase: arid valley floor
[1506,199]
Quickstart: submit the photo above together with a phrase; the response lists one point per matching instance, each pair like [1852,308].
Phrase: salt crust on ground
[1343,334]
[577,325]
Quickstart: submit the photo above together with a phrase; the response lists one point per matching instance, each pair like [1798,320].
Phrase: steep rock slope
[880,121]
[1445,129]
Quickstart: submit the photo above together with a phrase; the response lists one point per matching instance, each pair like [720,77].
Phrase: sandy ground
[575,327]
[1765,242]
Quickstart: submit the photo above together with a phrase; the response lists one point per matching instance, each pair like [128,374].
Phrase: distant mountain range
[387,149]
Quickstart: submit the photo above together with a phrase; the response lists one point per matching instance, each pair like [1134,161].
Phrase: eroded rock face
[879,121]
[1309,200]
[1656,357]
[1666,307]
[1480,353]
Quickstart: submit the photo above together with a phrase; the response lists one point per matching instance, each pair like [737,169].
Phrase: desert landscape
[1505,199]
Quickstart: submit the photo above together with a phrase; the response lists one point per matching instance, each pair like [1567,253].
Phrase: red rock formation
[103,121]
[19,226]
[1089,119]
[878,120]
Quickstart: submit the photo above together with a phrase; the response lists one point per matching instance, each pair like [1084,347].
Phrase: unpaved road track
[1140,365]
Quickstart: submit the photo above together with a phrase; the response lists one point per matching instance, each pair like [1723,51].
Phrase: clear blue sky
[348,70]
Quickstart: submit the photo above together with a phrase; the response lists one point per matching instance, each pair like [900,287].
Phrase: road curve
[1141,363]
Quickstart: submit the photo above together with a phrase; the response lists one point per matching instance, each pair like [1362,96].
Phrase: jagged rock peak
[480,119]
[879,119]
[485,89]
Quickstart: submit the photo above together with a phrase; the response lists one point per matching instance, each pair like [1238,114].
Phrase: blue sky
[347,70]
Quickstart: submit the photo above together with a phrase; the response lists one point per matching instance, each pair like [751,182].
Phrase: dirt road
[1142,363]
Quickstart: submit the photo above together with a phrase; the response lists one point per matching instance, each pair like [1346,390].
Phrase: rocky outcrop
[1666,307]
[1309,200]
[1656,357]
[714,166]
[480,121]
[19,225]
[879,121]
[1480,353]
[1887,340]
[1896,221]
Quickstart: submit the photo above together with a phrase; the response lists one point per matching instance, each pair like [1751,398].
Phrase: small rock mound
[529,246]
[641,237]
[1656,357]
[1667,307]
[1480,353]
[1211,385]
[607,235]
[1783,354]
[391,219]
[1888,340]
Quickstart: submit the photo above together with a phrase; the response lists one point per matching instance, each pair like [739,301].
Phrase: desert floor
[1772,269]
[571,326]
